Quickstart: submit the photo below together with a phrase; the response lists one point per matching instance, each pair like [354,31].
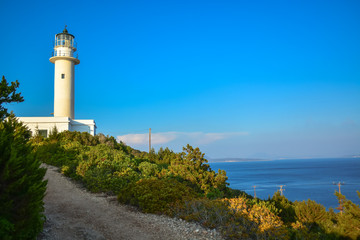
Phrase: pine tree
[286,207]
[348,221]
[8,95]
[22,188]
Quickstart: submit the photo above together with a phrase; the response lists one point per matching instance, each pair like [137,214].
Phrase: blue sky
[252,79]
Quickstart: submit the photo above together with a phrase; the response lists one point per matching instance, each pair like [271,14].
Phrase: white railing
[64,54]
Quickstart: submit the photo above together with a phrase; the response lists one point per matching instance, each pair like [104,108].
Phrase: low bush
[148,169]
[209,213]
[102,180]
[260,223]
[155,195]
[235,218]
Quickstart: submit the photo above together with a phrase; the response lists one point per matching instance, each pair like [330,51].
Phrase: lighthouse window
[62,75]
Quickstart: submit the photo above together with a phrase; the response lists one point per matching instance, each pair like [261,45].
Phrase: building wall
[64,88]
[46,123]
[61,123]
[84,126]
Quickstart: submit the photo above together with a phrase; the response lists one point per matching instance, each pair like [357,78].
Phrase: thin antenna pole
[254,191]
[282,190]
[149,140]
[340,202]
[339,184]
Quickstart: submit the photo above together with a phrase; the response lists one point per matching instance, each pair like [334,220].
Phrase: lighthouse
[64,77]
[64,58]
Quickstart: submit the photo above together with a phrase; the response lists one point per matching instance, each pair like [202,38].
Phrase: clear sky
[247,79]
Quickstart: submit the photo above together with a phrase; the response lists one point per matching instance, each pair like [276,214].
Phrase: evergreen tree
[8,95]
[286,207]
[192,166]
[22,188]
[348,221]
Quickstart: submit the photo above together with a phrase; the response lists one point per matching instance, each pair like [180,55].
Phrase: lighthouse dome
[65,33]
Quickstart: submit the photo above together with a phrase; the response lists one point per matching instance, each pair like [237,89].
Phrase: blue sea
[303,178]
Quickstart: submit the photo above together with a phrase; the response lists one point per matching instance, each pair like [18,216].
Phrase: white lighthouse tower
[65,61]
[64,115]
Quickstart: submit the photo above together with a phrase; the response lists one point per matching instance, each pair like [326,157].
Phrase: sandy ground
[73,213]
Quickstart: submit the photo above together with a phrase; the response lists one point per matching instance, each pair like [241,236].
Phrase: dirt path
[73,213]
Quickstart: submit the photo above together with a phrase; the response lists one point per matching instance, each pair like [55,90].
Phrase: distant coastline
[232,160]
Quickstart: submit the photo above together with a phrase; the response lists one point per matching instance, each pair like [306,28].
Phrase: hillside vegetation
[183,185]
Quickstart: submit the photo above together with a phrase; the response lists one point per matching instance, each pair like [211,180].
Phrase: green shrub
[310,212]
[148,169]
[65,170]
[256,219]
[102,180]
[286,208]
[214,193]
[234,218]
[192,166]
[22,188]
[155,195]
[54,154]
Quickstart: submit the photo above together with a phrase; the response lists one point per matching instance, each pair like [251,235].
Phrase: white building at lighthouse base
[47,124]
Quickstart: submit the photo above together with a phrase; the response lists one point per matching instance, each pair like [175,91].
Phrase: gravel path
[73,213]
